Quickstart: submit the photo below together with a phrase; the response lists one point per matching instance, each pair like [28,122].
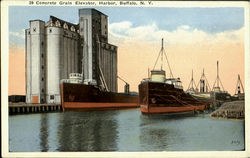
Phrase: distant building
[16,98]
[57,48]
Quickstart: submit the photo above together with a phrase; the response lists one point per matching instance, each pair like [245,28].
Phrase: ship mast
[192,83]
[204,79]
[239,86]
[217,80]
[163,53]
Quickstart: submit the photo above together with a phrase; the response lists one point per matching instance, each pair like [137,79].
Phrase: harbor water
[122,130]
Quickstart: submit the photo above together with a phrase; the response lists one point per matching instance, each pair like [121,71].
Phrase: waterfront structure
[57,48]
[100,57]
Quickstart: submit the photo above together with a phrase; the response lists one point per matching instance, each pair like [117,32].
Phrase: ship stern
[143,97]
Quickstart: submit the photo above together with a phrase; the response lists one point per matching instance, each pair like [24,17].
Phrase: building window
[42,55]
[52,97]
[34,29]
[42,90]
[50,30]
[42,67]
[29,32]
[42,43]
[42,78]
[65,26]
[73,28]
[58,24]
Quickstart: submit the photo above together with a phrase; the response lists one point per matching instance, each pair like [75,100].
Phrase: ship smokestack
[126,88]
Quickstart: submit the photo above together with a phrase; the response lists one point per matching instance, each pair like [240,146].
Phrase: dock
[23,108]
[230,110]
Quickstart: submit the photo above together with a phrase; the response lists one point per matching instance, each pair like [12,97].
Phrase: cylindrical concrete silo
[53,64]
[65,54]
[28,66]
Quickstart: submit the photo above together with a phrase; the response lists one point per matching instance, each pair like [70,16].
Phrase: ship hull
[80,97]
[162,98]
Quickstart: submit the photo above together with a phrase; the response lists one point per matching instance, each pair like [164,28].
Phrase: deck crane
[126,87]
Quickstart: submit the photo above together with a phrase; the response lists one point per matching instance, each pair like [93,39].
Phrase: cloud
[187,49]
[125,32]
[18,34]
[120,27]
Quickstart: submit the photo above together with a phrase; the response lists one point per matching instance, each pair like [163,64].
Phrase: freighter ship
[76,96]
[202,90]
[160,95]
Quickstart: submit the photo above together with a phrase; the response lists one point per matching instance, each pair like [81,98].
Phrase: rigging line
[241,84]
[157,59]
[208,84]
[236,89]
[218,74]
[161,60]
[206,80]
[214,84]
[162,52]
[171,74]
[192,80]
[221,85]
[189,85]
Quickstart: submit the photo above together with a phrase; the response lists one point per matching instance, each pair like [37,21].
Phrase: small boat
[161,95]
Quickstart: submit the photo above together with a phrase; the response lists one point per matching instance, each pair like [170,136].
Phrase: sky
[194,38]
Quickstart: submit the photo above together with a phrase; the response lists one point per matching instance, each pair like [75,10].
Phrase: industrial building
[57,48]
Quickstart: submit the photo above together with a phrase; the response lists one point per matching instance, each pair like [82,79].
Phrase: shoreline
[230,110]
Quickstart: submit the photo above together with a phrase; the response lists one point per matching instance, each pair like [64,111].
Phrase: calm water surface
[125,130]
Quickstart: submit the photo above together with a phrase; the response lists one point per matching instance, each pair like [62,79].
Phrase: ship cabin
[73,78]
[160,76]
[175,81]
[217,89]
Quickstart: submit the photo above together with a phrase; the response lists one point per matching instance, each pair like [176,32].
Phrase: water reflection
[126,130]
[156,139]
[159,133]
[87,131]
[44,133]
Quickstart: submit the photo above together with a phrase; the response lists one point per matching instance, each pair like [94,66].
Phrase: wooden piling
[32,108]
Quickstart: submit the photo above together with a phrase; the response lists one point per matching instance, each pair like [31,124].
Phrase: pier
[230,110]
[23,108]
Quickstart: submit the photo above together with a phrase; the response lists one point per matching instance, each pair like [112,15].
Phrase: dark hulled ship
[158,94]
[83,97]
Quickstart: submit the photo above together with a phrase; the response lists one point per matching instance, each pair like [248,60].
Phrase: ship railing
[145,80]
[71,80]
[75,75]
[65,81]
